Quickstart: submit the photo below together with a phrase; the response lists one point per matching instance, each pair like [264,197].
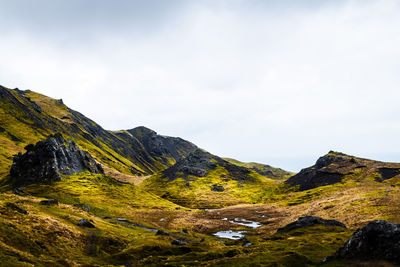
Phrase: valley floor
[133,227]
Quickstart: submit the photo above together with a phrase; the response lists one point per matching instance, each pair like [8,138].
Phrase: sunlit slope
[27,117]
[204,180]
[47,233]
[347,188]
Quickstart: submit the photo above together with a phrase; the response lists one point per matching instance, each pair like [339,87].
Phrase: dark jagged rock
[180,242]
[329,159]
[86,223]
[199,163]
[18,191]
[307,221]
[48,159]
[378,240]
[334,166]
[15,207]
[49,202]
[388,173]
[148,149]
[324,172]
[162,232]
[217,188]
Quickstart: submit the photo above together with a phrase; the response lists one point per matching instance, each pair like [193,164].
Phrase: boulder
[180,242]
[377,241]
[45,161]
[161,232]
[307,221]
[15,207]
[217,188]
[83,206]
[86,223]
[49,202]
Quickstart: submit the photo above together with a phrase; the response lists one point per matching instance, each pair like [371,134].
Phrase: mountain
[334,167]
[137,198]
[28,117]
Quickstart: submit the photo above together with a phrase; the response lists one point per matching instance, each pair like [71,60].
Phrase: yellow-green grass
[20,131]
[49,235]
[278,173]
[196,191]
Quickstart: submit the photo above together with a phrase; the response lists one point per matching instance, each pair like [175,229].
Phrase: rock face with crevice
[45,161]
[378,240]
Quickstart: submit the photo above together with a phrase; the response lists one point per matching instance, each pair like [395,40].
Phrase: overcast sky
[279,82]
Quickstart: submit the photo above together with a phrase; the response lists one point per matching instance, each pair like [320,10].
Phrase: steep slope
[205,180]
[334,167]
[160,151]
[263,169]
[27,117]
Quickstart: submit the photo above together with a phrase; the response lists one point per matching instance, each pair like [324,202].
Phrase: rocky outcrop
[307,221]
[378,240]
[388,173]
[334,166]
[199,163]
[151,151]
[329,169]
[48,159]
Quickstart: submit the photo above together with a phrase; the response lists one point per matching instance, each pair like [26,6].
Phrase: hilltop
[334,167]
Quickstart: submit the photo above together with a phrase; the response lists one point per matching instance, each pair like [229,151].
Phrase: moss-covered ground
[49,235]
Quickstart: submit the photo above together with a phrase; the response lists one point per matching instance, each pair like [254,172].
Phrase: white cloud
[281,86]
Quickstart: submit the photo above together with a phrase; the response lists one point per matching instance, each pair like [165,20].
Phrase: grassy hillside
[203,180]
[263,169]
[27,117]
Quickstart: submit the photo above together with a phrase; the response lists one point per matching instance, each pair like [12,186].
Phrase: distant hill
[263,169]
[335,167]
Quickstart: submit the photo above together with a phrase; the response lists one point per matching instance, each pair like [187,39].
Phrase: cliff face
[45,161]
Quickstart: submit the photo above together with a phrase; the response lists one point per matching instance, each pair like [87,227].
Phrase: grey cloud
[280,82]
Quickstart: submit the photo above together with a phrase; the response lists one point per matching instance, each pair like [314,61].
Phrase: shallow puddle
[244,222]
[235,235]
